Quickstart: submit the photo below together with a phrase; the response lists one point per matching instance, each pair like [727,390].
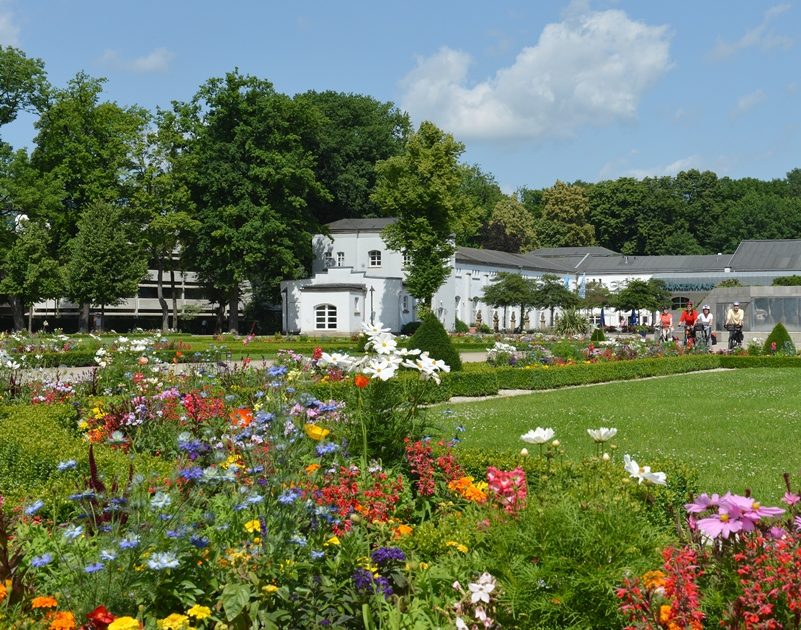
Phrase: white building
[357,278]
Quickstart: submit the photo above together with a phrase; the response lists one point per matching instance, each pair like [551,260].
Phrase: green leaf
[234,598]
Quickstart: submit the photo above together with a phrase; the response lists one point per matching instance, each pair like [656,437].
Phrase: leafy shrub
[460,326]
[431,337]
[779,341]
[787,281]
[598,335]
[409,328]
[572,323]
[729,282]
[567,351]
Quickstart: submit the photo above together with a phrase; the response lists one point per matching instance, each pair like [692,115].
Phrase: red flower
[361,381]
[318,353]
[100,618]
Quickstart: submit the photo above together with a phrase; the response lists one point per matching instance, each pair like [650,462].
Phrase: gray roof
[780,255]
[654,264]
[334,286]
[559,252]
[361,225]
[471,255]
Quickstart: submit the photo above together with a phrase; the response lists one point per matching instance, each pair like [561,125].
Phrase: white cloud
[761,36]
[589,69]
[9,31]
[748,102]
[156,61]
[683,164]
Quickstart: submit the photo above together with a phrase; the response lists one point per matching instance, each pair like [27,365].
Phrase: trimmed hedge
[747,361]
[431,337]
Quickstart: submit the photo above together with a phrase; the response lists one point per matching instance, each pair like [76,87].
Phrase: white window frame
[325,317]
[374,258]
[340,259]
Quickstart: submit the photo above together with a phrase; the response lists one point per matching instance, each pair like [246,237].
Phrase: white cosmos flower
[643,473]
[381,368]
[427,366]
[342,361]
[371,330]
[480,591]
[538,436]
[604,434]
[383,343]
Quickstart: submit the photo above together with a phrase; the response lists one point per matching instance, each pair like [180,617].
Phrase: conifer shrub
[409,328]
[460,326]
[432,337]
[598,335]
[779,341]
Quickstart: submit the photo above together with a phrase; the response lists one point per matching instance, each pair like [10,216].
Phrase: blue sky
[536,90]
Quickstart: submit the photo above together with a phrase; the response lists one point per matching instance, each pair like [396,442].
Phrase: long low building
[356,278]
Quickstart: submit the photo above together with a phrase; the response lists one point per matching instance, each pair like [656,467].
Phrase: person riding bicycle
[665,324]
[734,324]
[687,319]
[705,318]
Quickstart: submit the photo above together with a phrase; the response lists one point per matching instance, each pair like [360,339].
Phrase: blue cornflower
[34,507]
[160,500]
[277,370]
[73,531]
[177,533]
[67,465]
[193,473]
[324,448]
[129,542]
[81,496]
[43,560]
[201,542]
[229,397]
[299,540]
[317,555]
[93,568]
[263,417]
[163,560]
[255,470]
[289,496]
[259,394]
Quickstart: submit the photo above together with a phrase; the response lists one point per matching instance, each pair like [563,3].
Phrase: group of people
[698,326]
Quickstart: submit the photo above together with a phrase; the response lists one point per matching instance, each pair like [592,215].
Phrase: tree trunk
[83,318]
[552,310]
[18,310]
[174,297]
[30,319]
[233,310]
[220,317]
[165,310]
[102,317]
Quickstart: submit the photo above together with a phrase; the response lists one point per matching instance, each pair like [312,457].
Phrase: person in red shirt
[666,324]
[687,319]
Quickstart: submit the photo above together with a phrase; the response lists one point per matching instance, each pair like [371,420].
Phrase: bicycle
[735,335]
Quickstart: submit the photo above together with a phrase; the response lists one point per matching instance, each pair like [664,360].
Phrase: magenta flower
[797,521]
[702,502]
[791,499]
[724,523]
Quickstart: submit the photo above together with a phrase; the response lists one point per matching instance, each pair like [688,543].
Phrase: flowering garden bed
[309,495]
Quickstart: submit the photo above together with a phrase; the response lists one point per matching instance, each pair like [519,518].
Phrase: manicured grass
[739,428]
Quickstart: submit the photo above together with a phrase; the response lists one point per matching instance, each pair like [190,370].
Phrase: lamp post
[372,312]
[285,291]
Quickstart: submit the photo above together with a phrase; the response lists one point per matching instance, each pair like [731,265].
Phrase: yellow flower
[63,621]
[83,425]
[174,622]
[199,612]
[254,526]
[269,589]
[423,566]
[402,530]
[331,541]
[44,602]
[315,431]
[124,623]
[459,546]
[311,468]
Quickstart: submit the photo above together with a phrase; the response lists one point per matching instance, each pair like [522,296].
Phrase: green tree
[550,292]
[355,133]
[481,193]
[107,260]
[640,294]
[30,273]
[252,180]
[786,281]
[596,295]
[421,188]
[510,289]
[23,84]
[565,217]
[510,228]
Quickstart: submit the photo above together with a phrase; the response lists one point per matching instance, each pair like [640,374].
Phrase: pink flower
[721,524]
[791,499]
[702,502]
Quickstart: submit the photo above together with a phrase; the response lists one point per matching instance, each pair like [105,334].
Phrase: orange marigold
[44,602]
[664,614]
[361,381]
[241,417]
[653,579]
[63,621]
[402,530]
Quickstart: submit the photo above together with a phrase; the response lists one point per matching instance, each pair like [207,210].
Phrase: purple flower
[34,507]
[289,496]
[791,499]
[384,555]
[93,568]
[325,448]
[201,542]
[193,473]
[40,561]
[702,503]
[363,580]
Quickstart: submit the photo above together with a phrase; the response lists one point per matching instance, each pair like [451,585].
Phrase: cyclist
[706,318]
[665,324]
[734,324]
[687,319]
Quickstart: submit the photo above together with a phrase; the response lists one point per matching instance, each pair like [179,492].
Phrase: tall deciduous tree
[30,273]
[481,193]
[421,188]
[356,131]
[565,217]
[23,84]
[510,228]
[551,293]
[252,179]
[107,261]
[511,289]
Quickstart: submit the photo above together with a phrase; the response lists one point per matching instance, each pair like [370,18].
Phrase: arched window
[375,257]
[325,317]
[678,303]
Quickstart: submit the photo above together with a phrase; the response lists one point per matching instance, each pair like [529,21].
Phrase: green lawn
[740,428]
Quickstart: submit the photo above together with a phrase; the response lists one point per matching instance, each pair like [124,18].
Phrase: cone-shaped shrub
[781,338]
[431,337]
[598,335]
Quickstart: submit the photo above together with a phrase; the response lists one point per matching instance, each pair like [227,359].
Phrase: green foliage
[421,188]
[23,84]
[782,339]
[572,322]
[510,228]
[639,294]
[565,217]
[432,337]
[460,326]
[729,282]
[409,328]
[551,292]
[598,335]
[787,281]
